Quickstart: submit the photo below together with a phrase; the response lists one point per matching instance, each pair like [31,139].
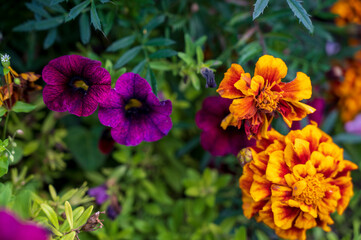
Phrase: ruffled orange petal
[298,89]
[226,88]
[245,181]
[346,191]
[292,233]
[250,207]
[294,111]
[277,168]
[281,193]
[302,149]
[244,83]
[270,68]
[260,189]
[305,221]
[283,214]
[243,108]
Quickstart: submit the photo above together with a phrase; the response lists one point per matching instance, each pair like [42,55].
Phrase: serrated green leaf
[21,107]
[84,217]
[259,8]
[48,23]
[50,38]
[69,236]
[151,79]
[127,56]
[69,214]
[139,68]
[84,28]
[50,213]
[163,53]
[159,42]
[121,43]
[2,111]
[94,17]
[301,14]
[75,11]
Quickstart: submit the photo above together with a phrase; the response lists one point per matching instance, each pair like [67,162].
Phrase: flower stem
[6,124]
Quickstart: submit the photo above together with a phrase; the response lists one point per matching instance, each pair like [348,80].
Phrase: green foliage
[301,14]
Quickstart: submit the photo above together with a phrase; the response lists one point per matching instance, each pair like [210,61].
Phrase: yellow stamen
[310,190]
[133,103]
[81,84]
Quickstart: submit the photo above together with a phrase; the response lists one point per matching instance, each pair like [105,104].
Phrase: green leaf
[25,27]
[155,22]
[240,234]
[53,193]
[301,14]
[54,2]
[50,38]
[83,144]
[68,195]
[94,17]
[121,43]
[329,122]
[84,217]
[69,214]
[4,164]
[84,28]
[127,56]
[187,59]
[6,194]
[37,9]
[163,53]
[347,138]
[200,55]
[259,8]
[20,107]
[69,236]
[160,65]
[6,71]
[48,23]
[139,68]
[160,42]
[2,111]
[31,147]
[50,213]
[75,11]
[151,79]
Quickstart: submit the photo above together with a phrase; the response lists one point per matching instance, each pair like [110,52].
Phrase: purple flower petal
[121,134]
[131,85]
[13,229]
[111,111]
[320,105]
[99,193]
[354,126]
[54,97]
[81,105]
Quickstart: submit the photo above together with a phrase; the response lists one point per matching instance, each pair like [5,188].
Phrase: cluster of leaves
[171,189]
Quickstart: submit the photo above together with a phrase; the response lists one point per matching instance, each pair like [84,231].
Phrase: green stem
[6,124]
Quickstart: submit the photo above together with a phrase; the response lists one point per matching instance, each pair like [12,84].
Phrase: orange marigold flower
[295,182]
[257,100]
[349,11]
[348,91]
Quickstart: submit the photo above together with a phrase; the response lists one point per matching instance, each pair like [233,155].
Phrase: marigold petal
[292,233]
[284,215]
[260,189]
[281,193]
[226,87]
[266,215]
[270,68]
[346,191]
[302,149]
[298,89]
[245,181]
[250,207]
[305,221]
[243,108]
[277,168]
[244,83]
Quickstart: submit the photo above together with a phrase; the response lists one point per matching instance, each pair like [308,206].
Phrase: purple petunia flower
[216,140]
[99,193]
[75,84]
[354,126]
[12,228]
[134,113]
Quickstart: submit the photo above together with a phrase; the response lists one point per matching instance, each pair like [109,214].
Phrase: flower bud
[5,60]
[244,156]
[208,74]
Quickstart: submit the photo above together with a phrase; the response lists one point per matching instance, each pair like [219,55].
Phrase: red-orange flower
[257,100]
[348,11]
[295,182]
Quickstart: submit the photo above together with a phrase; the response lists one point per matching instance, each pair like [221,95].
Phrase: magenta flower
[134,113]
[320,105]
[354,126]
[12,228]
[214,139]
[75,84]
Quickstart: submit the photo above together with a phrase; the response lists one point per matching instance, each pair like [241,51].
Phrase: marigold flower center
[268,100]
[133,103]
[78,83]
[310,190]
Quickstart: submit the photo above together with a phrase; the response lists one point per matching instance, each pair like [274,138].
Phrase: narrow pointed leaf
[163,53]
[121,43]
[75,11]
[127,56]
[151,79]
[84,217]
[50,213]
[69,214]
[259,8]
[160,42]
[301,14]
[69,236]
[50,38]
[94,17]
[84,27]
[139,68]
[23,107]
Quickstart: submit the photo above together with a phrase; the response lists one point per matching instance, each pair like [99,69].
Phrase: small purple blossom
[214,138]
[75,84]
[99,193]
[332,48]
[12,228]
[208,74]
[354,126]
[134,113]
